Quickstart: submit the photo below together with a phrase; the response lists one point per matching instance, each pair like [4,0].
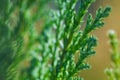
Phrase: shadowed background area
[101,60]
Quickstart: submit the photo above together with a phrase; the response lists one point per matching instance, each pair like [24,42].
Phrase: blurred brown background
[102,58]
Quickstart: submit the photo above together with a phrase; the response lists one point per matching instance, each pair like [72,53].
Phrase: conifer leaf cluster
[65,39]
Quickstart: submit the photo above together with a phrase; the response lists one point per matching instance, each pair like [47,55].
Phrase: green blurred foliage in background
[19,23]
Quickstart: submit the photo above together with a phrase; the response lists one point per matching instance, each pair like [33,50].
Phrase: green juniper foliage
[114,72]
[66,39]
[51,53]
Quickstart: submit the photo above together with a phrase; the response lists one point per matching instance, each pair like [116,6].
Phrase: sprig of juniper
[114,72]
[65,39]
